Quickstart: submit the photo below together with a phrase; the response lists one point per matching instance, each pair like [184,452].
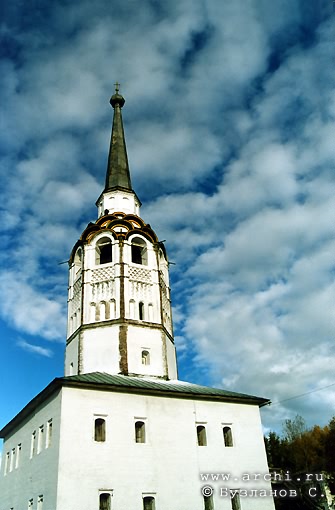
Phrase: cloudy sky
[229,122]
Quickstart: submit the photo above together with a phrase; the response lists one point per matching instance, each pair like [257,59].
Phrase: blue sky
[229,126]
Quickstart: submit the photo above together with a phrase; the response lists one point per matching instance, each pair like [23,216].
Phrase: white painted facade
[120,325]
[31,471]
[118,200]
[75,469]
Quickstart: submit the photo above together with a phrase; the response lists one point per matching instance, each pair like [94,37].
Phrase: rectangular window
[148,503]
[136,254]
[7,462]
[139,432]
[40,439]
[208,503]
[227,436]
[40,502]
[49,434]
[33,444]
[99,430]
[12,460]
[105,501]
[235,500]
[201,435]
[18,455]
[145,357]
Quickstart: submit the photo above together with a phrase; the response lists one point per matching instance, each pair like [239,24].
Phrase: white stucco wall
[140,338]
[71,357]
[118,201]
[100,351]
[37,475]
[100,347]
[75,468]
[168,465]
[171,359]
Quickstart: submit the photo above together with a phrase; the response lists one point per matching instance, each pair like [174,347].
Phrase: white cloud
[31,311]
[35,349]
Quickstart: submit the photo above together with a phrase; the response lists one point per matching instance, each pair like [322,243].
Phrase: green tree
[277,450]
[330,447]
[300,449]
[293,429]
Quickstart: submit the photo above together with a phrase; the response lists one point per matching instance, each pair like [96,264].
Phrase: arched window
[100,430]
[201,435]
[74,321]
[103,310]
[92,312]
[105,501]
[145,358]
[140,432]
[78,259]
[227,436]
[150,312]
[148,503]
[97,312]
[103,251]
[132,309]
[141,311]
[125,204]
[112,309]
[139,253]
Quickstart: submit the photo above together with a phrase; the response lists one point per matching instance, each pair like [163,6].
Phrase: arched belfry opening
[104,251]
[139,252]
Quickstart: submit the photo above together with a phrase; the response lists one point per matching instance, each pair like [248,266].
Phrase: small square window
[145,357]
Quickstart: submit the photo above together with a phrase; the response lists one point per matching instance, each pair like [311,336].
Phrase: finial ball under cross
[117,99]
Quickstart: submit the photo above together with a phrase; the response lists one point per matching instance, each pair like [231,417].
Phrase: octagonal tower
[119,310]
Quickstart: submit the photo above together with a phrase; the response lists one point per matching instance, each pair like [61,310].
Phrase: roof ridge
[174,386]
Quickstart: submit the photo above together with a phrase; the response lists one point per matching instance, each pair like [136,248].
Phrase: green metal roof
[173,387]
[130,384]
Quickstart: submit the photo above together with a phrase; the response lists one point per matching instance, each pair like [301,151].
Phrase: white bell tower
[119,311]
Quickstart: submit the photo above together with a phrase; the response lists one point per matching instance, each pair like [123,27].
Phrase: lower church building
[120,431]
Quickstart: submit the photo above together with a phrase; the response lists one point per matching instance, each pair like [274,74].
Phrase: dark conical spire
[117,175]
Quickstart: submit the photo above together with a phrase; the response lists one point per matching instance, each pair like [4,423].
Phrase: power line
[301,395]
